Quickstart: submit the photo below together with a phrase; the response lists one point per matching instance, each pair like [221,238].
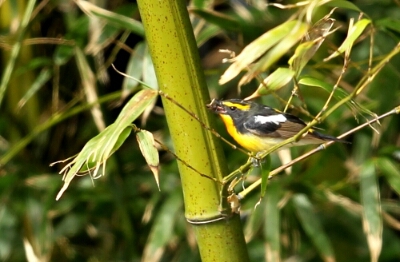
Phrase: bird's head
[235,108]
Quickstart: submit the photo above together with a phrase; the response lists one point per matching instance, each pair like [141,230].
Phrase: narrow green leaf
[295,61]
[391,172]
[339,93]
[98,149]
[276,52]
[258,47]
[149,151]
[208,32]
[266,167]
[276,80]
[140,67]
[149,75]
[8,69]
[312,226]
[221,20]
[134,69]
[107,33]
[254,222]
[42,78]
[389,23]
[343,4]
[162,230]
[352,36]
[372,213]
[311,81]
[314,38]
[272,226]
[89,85]
[113,18]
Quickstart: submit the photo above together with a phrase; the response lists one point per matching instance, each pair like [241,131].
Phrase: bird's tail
[329,138]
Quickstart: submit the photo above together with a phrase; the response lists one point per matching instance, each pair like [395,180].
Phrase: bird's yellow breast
[248,140]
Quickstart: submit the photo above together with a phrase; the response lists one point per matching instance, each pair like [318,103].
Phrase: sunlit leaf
[149,75]
[276,52]
[101,147]
[134,69]
[311,43]
[353,34]
[150,152]
[260,46]
[312,226]
[372,213]
[276,80]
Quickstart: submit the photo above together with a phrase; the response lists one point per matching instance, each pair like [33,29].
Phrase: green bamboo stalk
[176,60]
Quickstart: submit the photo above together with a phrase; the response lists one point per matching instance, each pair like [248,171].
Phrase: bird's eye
[232,108]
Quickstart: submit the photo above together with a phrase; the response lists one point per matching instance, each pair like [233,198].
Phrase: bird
[258,127]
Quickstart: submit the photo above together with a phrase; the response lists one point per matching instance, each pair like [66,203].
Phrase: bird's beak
[216,106]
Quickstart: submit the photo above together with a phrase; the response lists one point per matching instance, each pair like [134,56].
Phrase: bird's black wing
[259,128]
[274,124]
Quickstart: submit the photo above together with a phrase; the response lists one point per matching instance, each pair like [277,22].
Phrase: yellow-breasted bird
[258,127]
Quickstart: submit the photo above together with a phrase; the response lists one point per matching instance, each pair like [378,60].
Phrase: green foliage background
[48,114]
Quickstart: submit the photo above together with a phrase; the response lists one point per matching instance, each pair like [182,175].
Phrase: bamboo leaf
[134,69]
[339,93]
[44,76]
[102,146]
[207,33]
[7,71]
[276,52]
[343,4]
[391,172]
[258,47]
[266,167]
[254,222]
[312,226]
[314,38]
[216,18]
[276,80]
[149,75]
[149,151]
[162,230]
[113,18]
[272,227]
[372,213]
[353,34]
[389,23]
[89,85]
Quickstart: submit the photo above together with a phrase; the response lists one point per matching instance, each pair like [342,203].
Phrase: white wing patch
[276,119]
